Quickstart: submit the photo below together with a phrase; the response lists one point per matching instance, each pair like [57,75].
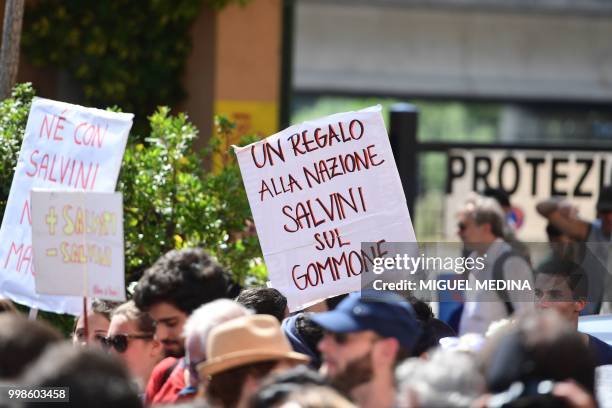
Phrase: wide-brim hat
[247,340]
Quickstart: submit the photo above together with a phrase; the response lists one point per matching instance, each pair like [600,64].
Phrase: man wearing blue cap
[365,337]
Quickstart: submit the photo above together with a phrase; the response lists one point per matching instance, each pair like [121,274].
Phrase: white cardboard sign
[65,147]
[528,176]
[77,242]
[318,190]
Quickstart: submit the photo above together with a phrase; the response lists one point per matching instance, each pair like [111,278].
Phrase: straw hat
[246,340]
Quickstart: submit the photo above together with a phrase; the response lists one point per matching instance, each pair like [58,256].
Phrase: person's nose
[161,333]
[326,344]
[543,302]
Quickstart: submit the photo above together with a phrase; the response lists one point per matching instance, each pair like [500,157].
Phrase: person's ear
[579,304]
[385,350]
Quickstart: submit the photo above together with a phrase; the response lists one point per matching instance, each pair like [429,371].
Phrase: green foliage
[169,200]
[130,53]
[13,117]
[240,247]
[64,323]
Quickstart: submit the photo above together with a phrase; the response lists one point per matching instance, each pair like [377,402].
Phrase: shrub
[169,200]
[13,118]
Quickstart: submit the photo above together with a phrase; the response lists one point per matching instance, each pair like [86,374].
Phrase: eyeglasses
[120,341]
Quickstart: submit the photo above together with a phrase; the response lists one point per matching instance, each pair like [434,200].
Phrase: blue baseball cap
[385,313]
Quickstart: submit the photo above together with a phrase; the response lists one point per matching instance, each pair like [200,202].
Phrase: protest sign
[528,176]
[65,147]
[77,243]
[319,190]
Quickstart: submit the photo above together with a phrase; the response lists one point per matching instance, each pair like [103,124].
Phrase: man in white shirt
[481,230]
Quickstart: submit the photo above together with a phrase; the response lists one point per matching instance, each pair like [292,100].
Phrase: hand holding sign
[317,192]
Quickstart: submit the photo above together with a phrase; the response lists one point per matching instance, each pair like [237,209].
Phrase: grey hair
[448,379]
[209,315]
[485,210]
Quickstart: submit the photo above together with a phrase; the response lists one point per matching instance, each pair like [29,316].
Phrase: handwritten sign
[65,147]
[77,243]
[528,177]
[317,192]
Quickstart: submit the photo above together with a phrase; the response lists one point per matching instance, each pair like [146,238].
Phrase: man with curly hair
[177,284]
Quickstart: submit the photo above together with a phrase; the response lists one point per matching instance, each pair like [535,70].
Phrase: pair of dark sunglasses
[120,341]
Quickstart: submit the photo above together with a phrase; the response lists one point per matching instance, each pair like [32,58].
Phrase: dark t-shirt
[600,350]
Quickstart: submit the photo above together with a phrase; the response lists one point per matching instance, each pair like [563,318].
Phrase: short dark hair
[432,329]
[95,379]
[186,278]
[21,342]
[421,309]
[311,332]
[572,273]
[334,301]
[264,301]
[499,195]
[604,201]
[224,388]
[552,231]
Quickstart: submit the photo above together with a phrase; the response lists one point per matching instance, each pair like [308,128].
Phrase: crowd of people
[191,337]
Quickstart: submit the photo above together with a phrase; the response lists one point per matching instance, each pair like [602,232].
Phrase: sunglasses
[461,226]
[120,341]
